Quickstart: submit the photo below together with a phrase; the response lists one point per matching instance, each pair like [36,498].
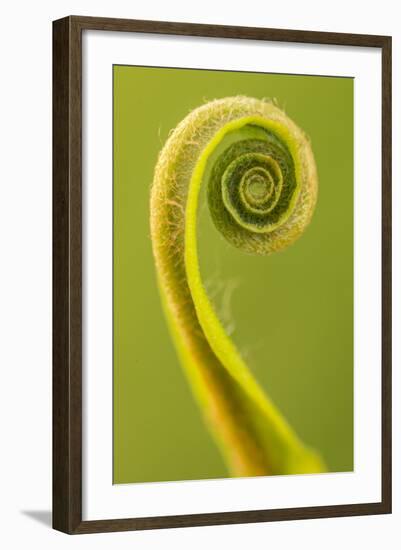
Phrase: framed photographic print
[222,271]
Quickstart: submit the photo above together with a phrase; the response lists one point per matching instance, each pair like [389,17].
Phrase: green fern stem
[261,181]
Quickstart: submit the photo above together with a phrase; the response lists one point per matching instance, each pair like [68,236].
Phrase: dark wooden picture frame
[67,274]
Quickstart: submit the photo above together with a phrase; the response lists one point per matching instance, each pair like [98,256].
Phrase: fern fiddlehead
[261,181]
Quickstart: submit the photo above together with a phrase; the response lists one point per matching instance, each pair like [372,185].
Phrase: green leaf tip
[261,181]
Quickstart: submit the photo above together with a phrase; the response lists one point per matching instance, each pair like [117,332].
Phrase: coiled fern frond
[261,181]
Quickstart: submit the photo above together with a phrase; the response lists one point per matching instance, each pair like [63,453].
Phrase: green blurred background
[290,314]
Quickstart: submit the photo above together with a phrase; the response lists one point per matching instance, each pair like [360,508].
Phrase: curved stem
[253,436]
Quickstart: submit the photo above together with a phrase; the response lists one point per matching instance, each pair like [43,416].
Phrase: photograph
[200,283]
[233,214]
[222,320]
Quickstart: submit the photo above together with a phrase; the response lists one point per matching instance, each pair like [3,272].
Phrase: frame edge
[386,273]
[67,275]
[67,406]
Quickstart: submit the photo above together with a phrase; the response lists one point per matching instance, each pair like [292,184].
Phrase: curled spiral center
[261,183]
[251,187]
[257,185]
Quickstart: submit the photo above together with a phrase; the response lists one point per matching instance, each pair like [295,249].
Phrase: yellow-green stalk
[261,178]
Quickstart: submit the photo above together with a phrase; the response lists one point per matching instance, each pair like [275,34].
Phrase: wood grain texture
[67,277]
[386,274]
[67,274]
